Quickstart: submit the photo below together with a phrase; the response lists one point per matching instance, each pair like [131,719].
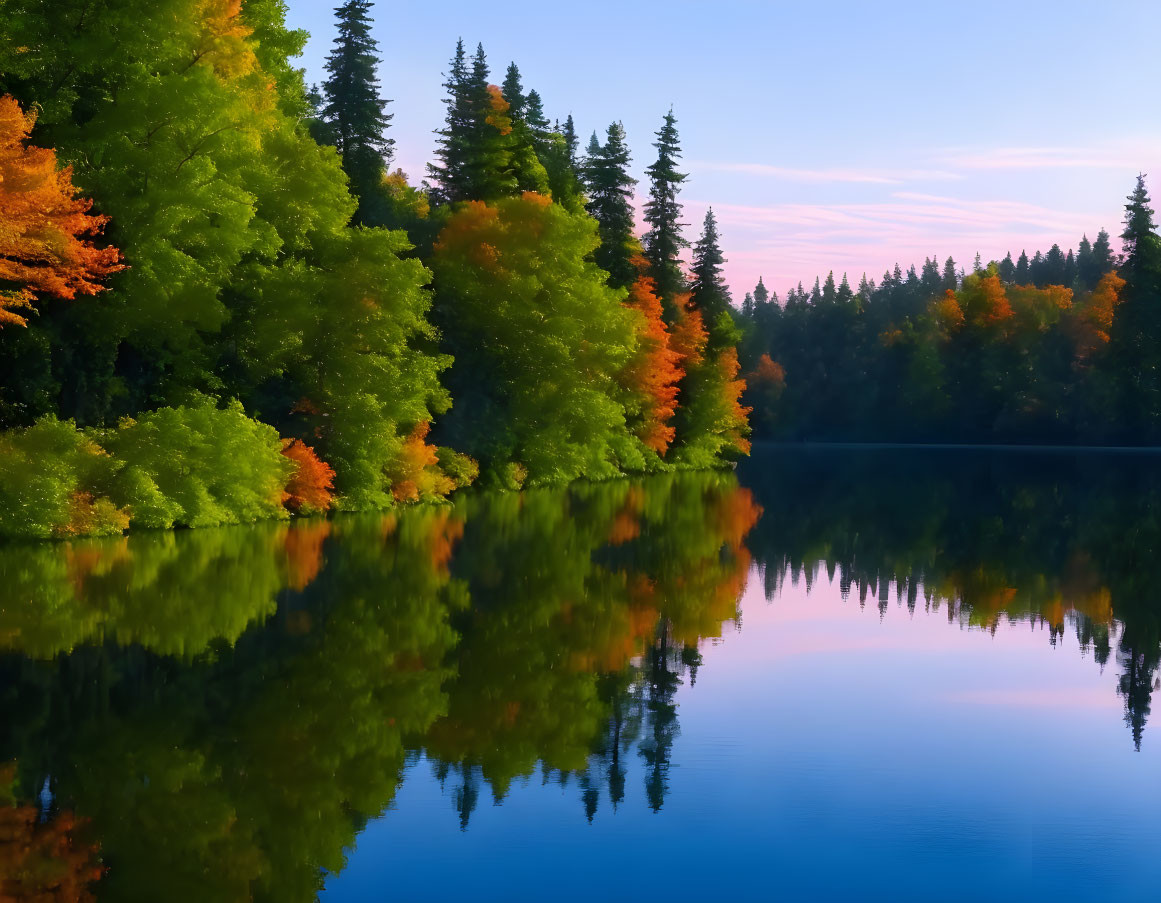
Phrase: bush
[199,466]
[52,479]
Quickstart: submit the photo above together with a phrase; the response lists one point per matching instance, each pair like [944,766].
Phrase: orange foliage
[303,546]
[43,861]
[627,524]
[309,489]
[733,388]
[498,117]
[88,515]
[655,370]
[947,313]
[769,374]
[1102,307]
[996,308]
[416,474]
[43,248]
[687,336]
[224,39]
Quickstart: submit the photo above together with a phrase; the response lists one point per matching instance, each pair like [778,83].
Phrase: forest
[219,302]
[1062,348]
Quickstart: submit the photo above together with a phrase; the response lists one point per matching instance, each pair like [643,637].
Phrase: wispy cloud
[847,175]
[1119,156]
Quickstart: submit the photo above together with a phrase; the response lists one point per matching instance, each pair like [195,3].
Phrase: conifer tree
[1023,270]
[353,109]
[570,140]
[845,296]
[454,145]
[664,241]
[761,293]
[1007,268]
[610,191]
[1135,336]
[950,279]
[709,294]
[513,92]
[481,156]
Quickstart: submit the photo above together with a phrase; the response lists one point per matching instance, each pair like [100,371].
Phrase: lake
[836,674]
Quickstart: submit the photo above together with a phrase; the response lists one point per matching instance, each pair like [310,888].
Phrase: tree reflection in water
[224,709]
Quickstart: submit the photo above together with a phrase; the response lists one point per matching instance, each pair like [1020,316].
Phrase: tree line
[207,255]
[1060,348]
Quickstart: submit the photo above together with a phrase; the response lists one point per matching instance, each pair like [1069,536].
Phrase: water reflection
[223,710]
[1066,539]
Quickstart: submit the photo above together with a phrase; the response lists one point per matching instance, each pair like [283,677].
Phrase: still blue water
[835,675]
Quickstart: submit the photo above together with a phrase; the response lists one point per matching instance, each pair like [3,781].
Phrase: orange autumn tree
[765,385]
[46,232]
[42,860]
[653,374]
[309,490]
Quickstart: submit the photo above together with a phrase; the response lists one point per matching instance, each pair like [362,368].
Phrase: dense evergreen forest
[219,302]
[1059,348]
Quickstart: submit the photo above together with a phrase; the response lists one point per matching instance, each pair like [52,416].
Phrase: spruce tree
[610,192]
[709,294]
[513,92]
[570,141]
[761,293]
[845,296]
[664,241]
[1102,253]
[352,109]
[454,144]
[1085,264]
[1007,268]
[479,153]
[1135,344]
[950,279]
[1023,270]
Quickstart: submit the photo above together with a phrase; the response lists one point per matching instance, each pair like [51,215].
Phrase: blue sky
[826,135]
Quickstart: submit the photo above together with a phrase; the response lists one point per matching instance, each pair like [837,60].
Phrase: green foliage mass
[538,339]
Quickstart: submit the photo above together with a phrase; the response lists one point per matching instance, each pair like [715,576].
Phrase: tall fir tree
[454,143]
[664,241]
[709,294]
[1135,334]
[610,193]
[513,92]
[355,114]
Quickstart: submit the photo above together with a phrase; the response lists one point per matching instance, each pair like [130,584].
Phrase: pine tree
[1102,253]
[1023,270]
[761,293]
[480,154]
[454,145]
[1054,266]
[1085,264]
[570,141]
[709,294]
[664,241]
[829,289]
[610,191]
[353,109]
[513,92]
[845,296]
[950,280]
[931,279]
[1135,335]
[1007,268]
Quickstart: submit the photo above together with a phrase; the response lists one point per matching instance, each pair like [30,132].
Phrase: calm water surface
[835,675]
